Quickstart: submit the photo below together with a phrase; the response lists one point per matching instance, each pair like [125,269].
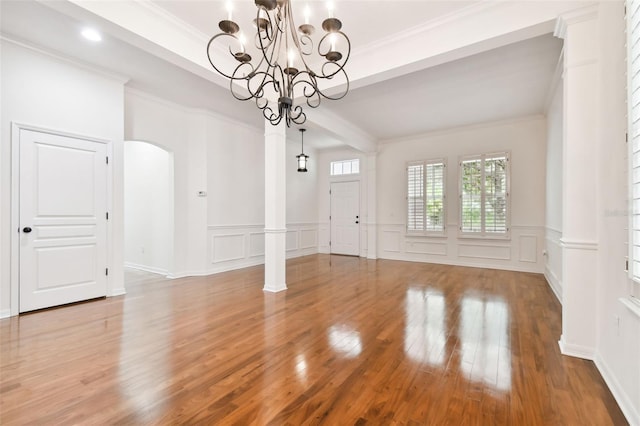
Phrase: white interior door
[63,224]
[345,218]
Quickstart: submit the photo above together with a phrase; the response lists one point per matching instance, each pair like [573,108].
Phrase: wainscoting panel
[256,244]
[239,246]
[528,248]
[292,240]
[553,261]
[308,238]
[390,241]
[521,252]
[488,251]
[227,247]
[426,247]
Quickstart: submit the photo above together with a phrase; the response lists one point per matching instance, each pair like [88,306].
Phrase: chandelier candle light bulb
[243,40]
[307,14]
[272,78]
[229,11]
[291,57]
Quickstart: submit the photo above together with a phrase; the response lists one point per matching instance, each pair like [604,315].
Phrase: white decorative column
[372,206]
[580,177]
[275,207]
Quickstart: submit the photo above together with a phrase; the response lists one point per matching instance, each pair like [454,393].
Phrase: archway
[148,207]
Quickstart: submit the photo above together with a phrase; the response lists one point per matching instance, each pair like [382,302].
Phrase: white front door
[63,224]
[345,218]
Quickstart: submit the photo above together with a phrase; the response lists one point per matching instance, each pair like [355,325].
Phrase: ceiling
[506,82]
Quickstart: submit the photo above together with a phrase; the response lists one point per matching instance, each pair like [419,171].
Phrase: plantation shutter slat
[415,197]
[435,197]
[426,196]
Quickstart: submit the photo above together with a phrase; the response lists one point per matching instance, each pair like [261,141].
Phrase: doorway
[345,218]
[148,207]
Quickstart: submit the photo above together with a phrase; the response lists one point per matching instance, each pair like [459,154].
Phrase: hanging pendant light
[302,158]
[291,70]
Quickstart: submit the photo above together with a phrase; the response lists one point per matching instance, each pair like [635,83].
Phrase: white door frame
[15,205]
[359,211]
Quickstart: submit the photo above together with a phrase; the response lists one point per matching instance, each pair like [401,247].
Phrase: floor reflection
[345,340]
[145,363]
[425,334]
[484,342]
[301,369]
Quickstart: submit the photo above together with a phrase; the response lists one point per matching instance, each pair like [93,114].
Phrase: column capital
[573,17]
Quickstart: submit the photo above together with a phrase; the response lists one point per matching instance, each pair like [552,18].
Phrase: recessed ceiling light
[91,34]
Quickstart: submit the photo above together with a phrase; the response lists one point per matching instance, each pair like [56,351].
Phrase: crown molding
[173,20]
[141,94]
[430,25]
[459,129]
[119,78]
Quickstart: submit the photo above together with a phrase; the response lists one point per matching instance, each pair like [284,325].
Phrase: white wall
[524,139]
[236,203]
[53,93]
[553,214]
[175,129]
[618,347]
[225,229]
[148,207]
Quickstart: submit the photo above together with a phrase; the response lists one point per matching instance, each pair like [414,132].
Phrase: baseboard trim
[554,283]
[576,351]
[629,410]
[144,268]
[5,313]
[185,274]
[118,292]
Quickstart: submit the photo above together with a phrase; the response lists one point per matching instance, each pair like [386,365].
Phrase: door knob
[26,229]
[357,221]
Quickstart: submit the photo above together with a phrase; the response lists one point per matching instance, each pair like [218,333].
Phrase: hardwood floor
[351,342]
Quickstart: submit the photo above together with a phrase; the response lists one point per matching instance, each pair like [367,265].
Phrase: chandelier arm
[297,116]
[305,42]
[270,34]
[342,61]
[343,92]
[259,92]
[230,51]
[309,91]
[247,79]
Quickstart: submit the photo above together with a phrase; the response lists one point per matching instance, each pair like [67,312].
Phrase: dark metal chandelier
[283,73]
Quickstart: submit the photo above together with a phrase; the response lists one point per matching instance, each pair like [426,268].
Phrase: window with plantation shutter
[426,197]
[484,195]
[633,105]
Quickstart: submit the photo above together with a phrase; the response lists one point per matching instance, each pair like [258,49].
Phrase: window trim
[425,232]
[632,11]
[483,235]
[352,160]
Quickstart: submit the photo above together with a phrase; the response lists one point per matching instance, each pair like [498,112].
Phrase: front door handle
[26,230]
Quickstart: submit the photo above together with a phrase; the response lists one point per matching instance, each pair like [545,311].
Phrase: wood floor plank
[351,342]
